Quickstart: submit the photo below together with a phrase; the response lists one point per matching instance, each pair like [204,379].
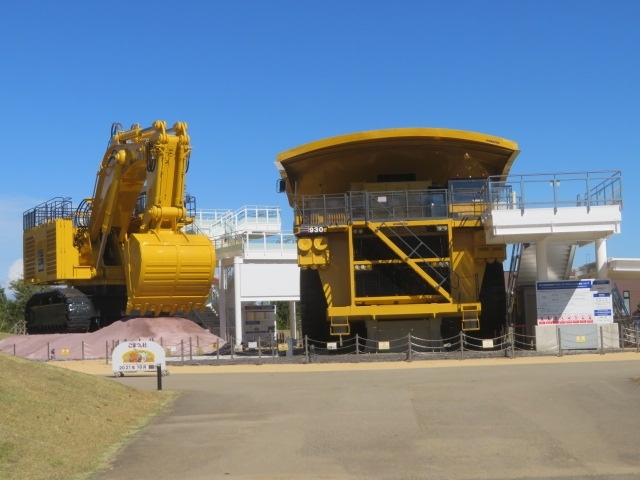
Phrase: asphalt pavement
[503,419]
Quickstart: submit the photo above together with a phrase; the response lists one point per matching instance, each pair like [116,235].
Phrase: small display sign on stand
[136,357]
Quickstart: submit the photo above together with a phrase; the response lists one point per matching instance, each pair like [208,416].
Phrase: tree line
[12,309]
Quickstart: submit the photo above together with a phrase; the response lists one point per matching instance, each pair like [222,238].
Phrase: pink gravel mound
[178,336]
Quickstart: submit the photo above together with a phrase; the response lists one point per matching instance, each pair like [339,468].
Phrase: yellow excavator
[124,251]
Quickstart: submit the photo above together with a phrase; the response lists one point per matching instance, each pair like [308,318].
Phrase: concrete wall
[577,337]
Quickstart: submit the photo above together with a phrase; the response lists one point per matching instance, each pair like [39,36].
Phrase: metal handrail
[555,190]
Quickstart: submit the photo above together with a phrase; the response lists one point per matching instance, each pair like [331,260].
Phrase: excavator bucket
[168,273]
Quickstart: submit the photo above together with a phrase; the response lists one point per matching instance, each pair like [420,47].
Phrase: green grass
[59,424]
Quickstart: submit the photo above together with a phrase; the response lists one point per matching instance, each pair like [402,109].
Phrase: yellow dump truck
[123,251]
[389,233]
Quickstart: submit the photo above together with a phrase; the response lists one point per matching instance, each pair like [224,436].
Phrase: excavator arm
[148,161]
[138,208]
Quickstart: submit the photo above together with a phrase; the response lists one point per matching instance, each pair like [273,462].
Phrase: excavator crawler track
[60,310]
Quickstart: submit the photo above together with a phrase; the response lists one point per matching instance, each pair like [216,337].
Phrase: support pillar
[222,300]
[292,319]
[237,264]
[542,271]
[601,258]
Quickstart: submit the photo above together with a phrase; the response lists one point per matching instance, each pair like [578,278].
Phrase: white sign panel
[574,302]
[134,357]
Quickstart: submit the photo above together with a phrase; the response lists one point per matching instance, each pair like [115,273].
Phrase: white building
[256,264]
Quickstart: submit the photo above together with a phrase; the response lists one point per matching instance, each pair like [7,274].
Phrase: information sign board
[136,357]
[574,302]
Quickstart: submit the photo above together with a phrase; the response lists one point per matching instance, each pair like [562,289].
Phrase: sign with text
[574,302]
[134,357]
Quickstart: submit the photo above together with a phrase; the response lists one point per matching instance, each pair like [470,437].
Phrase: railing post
[410,355]
[259,352]
[190,349]
[366,206]
[620,335]
[461,345]
[512,334]
[233,346]
[218,351]
[357,348]
[106,352]
[601,341]
[306,348]
[559,338]
[159,375]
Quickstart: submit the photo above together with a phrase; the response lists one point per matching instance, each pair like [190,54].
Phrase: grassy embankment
[58,424]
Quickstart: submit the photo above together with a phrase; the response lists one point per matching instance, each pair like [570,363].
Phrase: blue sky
[253,78]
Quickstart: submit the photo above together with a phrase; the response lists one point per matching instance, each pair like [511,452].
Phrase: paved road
[480,421]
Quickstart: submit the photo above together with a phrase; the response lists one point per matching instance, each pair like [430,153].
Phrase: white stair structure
[257,262]
[555,212]
[560,255]
[548,216]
